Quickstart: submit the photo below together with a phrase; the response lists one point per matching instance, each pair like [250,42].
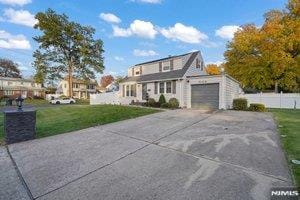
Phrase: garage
[205,96]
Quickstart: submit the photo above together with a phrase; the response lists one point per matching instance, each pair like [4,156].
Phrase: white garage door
[205,96]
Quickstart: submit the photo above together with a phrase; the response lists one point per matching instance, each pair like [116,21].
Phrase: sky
[134,31]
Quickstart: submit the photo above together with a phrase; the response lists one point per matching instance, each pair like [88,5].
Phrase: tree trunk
[70,80]
[276,87]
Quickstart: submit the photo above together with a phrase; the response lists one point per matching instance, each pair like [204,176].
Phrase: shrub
[257,107]
[240,104]
[37,97]
[151,101]
[165,105]
[173,103]
[162,99]
[62,96]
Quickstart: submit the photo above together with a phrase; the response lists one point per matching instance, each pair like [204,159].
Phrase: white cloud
[121,32]
[144,53]
[183,33]
[22,17]
[137,27]
[143,29]
[227,32]
[15,2]
[109,17]
[148,1]
[9,41]
[118,58]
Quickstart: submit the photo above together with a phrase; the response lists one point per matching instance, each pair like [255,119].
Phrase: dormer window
[137,72]
[166,66]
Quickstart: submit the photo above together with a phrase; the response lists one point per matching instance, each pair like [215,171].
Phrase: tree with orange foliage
[212,69]
[268,56]
[106,80]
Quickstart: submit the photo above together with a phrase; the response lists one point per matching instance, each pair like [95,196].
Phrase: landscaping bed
[289,127]
[62,119]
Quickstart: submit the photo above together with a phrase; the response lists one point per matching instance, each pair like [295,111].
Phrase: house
[112,87]
[81,88]
[13,87]
[182,77]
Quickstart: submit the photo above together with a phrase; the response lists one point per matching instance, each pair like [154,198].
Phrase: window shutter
[160,66]
[141,70]
[171,64]
[174,87]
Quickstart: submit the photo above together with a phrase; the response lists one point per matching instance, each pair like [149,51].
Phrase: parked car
[65,100]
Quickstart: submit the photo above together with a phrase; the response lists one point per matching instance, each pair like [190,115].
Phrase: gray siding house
[182,77]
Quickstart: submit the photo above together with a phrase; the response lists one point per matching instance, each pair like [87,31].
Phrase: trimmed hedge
[162,99]
[173,103]
[165,105]
[151,101]
[240,104]
[257,107]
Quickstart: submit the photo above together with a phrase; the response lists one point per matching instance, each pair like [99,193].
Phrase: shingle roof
[162,59]
[174,74]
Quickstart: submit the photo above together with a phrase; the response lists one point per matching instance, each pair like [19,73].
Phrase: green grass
[289,125]
[62,119]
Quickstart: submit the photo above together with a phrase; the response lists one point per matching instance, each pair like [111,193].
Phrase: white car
[63,101]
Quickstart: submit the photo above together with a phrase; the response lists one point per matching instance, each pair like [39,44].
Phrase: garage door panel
[205,96]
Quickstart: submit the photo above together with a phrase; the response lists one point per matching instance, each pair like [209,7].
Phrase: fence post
[260,97]
[280,98]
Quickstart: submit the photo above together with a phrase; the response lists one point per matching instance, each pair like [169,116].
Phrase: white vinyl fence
[104,98]
[109,98]
[275,100]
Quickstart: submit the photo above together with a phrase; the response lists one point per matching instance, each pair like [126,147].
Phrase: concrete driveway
[181,154]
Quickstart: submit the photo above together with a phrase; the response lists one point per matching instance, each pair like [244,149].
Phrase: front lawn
[62,119]
[289,128]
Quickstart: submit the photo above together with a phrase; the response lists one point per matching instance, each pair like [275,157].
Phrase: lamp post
[19,101]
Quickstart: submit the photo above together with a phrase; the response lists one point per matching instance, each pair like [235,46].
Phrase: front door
[144,91]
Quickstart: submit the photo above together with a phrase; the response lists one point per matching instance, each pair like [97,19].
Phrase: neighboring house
[81,88]
[182,77]
[112,87]
[13,87]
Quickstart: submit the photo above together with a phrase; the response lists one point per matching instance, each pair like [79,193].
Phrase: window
[8,92]
[169,87]
[166,68]
[155,87]
[127,91]
[137,73]
[75,85]
[174,87]
[133,90]
[91,87]
[201,65]
[9,83]
[161,87]
[22,83]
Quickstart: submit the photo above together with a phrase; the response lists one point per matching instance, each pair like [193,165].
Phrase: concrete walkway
[181,154]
